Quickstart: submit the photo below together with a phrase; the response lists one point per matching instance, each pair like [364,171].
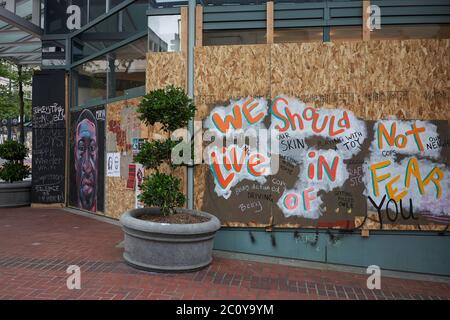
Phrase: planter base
[152,268]
[16,194]
[162,247]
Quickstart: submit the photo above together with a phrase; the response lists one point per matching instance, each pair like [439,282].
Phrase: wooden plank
[199,26]
[366,17]
[66,173]
[269,22]
[184,30]
[47,205]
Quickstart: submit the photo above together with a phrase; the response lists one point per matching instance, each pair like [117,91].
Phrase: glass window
[164,33]
[118,27]
[298,35]
[399,32]
[56,16]
[345,33]
[234,37]
[53,53]
[96,8]
[90,81]
[114,3]
[127,66]
[111,75]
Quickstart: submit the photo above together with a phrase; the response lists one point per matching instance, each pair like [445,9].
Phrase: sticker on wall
[113,164]
[137,145]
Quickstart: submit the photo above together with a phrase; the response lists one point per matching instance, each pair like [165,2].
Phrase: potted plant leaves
[14,192]
[163,236]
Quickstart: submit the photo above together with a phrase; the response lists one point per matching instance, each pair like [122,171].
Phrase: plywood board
[165,68]
[122,126]
[407,79]
[199,26]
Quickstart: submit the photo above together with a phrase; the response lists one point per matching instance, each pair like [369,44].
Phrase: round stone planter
[166,247]
[16,194]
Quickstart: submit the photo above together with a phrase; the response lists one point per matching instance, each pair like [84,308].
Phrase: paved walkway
[37,246]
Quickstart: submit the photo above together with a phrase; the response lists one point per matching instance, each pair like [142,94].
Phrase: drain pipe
[190,81]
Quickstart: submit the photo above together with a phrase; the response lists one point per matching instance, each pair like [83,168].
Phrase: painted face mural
[86,160]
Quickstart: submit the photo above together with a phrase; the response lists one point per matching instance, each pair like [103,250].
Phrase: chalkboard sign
[49,137]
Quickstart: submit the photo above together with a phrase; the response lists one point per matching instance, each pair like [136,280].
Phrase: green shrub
[154,153]
[14,171]
[13,151]
[169,106]
[163,191]
[173,109]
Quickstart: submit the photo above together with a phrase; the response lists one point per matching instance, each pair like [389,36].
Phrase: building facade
[353,98]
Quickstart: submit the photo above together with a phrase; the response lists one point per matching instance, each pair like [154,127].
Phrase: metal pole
[190,81]
[21,105]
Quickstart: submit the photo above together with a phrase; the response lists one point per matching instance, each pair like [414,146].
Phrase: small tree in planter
[14,192]
[13,169]
[164,236]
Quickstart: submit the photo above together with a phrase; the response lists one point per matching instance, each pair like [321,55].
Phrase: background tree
[12,102]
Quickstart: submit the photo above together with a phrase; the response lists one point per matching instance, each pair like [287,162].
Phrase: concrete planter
[166,247]
[16,194]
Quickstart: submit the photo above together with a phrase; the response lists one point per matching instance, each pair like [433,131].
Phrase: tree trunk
[21,105]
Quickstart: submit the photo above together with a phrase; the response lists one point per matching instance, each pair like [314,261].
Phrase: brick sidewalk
[37,246]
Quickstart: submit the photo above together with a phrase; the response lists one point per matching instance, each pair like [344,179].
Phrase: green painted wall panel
[407,251]
[285,244]
[413,252]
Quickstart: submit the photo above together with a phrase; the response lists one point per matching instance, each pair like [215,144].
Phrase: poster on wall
[291,164]
[113,164]
[137,145]
[49,137]
[139,180]
[87,154]
[131,181]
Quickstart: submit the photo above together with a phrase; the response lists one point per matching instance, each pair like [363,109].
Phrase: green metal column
[190,80]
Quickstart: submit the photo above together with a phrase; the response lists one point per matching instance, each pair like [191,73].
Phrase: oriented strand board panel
[226,72]
[375,79]
[406,79]
[122,126]
[223,73]
[165,68]
[320,74]
[388,87]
